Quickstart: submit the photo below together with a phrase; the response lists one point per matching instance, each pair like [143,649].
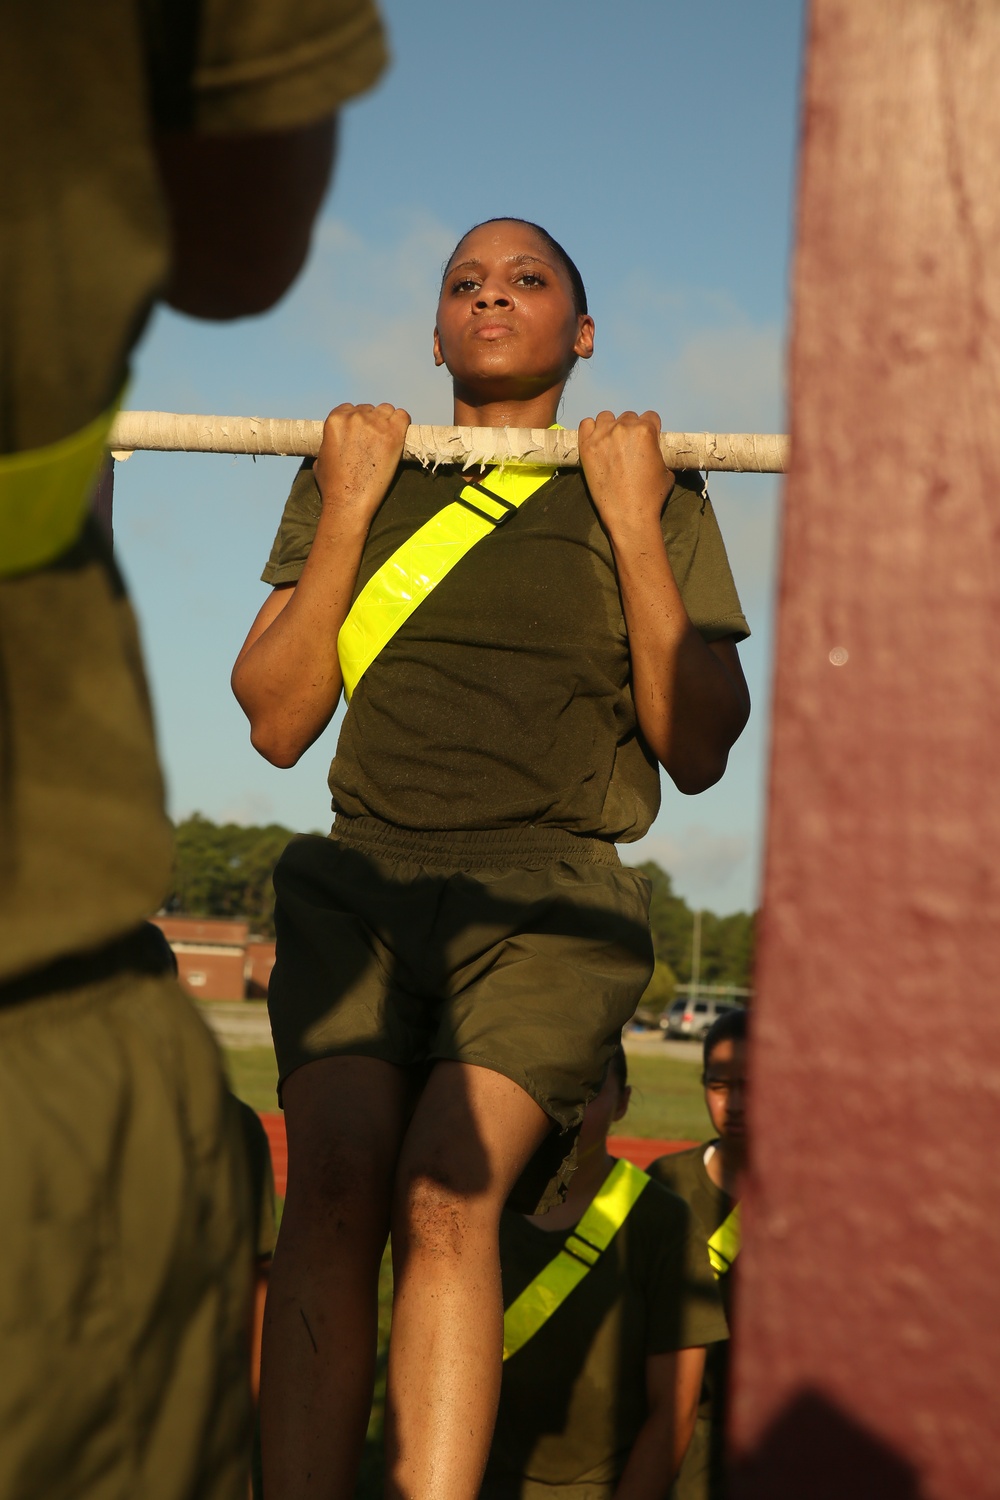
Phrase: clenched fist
[624,469]
[360,452]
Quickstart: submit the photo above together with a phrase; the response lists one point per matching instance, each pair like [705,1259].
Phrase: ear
[438,356]
[584,346]
[621,1108]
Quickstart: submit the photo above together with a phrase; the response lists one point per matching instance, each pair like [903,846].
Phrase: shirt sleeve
[684,1306]
[227,67]
[296,531]
[698,558]
[265,65]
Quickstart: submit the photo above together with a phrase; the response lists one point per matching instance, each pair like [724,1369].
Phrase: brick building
[216,959]
[260,957]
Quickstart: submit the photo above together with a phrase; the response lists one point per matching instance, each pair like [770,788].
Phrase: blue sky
[656,140]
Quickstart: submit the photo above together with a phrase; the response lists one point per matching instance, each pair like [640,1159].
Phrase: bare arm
[241,213]
[673,1385]
[287,676]
[691,698]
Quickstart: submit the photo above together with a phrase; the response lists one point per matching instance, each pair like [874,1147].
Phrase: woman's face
[507,327]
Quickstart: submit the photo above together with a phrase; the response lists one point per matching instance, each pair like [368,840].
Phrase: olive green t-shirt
[505,699]
[573,1399]
[84,239]
[85,845]
[701,1474]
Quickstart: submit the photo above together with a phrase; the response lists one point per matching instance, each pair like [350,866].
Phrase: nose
[737,1096]
[492,295]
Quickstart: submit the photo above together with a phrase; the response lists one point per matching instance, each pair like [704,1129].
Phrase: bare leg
[345,1118]
[471,1135]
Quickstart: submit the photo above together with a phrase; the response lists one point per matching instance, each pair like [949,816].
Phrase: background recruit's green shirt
[574,1397]
[701,1474]
[84,843]
[506,698]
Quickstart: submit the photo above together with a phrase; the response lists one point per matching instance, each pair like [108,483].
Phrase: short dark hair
[568,264]
[619,1066]
[731,1026]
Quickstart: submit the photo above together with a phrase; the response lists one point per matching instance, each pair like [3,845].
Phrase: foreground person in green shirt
[455,963]
[601,1401]
[148,150]
[709,1179]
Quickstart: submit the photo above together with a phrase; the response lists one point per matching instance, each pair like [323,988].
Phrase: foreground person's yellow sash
[587,1243]
[403,582]
[45,494]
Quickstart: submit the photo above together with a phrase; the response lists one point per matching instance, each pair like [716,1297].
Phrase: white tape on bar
[174,432]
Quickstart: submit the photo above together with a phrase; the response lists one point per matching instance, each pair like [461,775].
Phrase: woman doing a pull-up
[456,960]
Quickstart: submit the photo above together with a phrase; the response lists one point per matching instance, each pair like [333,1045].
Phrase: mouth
[490,331]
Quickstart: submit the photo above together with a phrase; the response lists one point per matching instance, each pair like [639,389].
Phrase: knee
[441,1217]
[339,1184]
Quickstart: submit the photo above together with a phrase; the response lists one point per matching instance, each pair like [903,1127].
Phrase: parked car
[687,1018]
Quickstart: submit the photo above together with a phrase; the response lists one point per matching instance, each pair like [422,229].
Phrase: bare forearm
[287,676]
[288,679]
[656,1456]
[690,707]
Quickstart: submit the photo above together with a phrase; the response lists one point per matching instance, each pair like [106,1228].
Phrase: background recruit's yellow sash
[724,1246]
[391,595]
[585,1246]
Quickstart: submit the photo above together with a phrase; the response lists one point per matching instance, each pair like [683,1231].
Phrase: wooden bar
[188,432]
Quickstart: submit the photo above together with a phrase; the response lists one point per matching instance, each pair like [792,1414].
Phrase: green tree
[671,921]
[658,995]
[727,943]
[224,870]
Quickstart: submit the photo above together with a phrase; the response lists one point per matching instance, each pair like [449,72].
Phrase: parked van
[692,1018]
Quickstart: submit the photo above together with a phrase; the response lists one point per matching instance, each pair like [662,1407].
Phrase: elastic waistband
[140,951]
[475,848]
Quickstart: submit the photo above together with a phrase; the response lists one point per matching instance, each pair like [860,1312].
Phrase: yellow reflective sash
[403,582]
[585,1246]
[724,1246]
[45,493]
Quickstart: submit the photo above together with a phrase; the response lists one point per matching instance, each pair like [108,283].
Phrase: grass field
[253,1076]
[666,1105]
[667,1102]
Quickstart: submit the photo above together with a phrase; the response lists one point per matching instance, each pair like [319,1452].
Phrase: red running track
[637,1149]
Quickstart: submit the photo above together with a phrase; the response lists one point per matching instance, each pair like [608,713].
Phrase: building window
[196,977]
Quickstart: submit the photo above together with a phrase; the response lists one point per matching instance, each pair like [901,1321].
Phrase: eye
[464,284]
[531,278]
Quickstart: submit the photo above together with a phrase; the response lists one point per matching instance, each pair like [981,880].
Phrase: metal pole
[695,956]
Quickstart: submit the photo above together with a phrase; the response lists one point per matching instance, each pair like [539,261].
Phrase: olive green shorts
[523,951]
[124,1299]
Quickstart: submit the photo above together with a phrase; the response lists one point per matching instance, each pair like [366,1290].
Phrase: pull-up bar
[174,432]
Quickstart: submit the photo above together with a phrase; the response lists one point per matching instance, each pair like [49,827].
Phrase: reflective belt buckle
[582,1250]
[483,502]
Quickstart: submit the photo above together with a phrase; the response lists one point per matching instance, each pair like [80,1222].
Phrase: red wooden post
[868,1334]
